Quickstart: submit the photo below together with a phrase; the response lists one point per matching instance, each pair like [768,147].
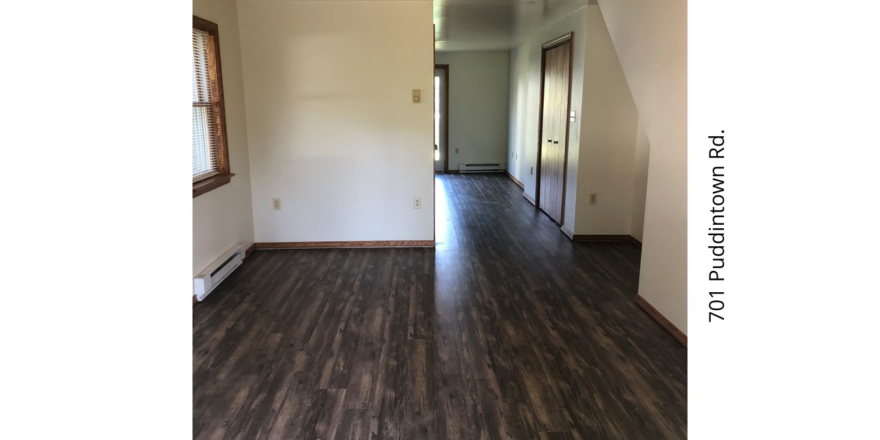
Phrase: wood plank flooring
[507,330]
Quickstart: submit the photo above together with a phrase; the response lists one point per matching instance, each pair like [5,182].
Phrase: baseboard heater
[206,281]
[481,167]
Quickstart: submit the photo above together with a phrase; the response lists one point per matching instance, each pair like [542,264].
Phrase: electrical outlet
[516,156]
[417,203]
[276,204]
[593,198]
[531,171]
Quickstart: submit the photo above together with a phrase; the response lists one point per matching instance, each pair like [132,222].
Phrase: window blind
[204,124]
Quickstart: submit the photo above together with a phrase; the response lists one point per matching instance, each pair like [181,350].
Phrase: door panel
[564,124]
[554,130]
[545,137]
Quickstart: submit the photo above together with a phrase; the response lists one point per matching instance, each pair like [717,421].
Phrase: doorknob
[555,142]
[435,147]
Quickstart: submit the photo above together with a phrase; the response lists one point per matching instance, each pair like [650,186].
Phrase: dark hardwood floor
[507,330]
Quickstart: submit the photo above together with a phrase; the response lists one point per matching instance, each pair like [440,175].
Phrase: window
[209,150]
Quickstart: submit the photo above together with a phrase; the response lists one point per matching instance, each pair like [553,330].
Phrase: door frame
[445,68]
[552,44]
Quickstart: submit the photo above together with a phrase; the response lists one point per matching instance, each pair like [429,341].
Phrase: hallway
[505,330]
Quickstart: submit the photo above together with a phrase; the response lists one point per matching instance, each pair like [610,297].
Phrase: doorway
[553,140]
[441,118]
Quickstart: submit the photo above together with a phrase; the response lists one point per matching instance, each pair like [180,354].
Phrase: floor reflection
[442,225]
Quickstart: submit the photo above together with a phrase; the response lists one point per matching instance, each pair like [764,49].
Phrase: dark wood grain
[516,181]
[505,330]
[635,241]
[670,327]
[344,244]
[567,232]
[601,237]
[211,183]
[553,128]
[586,237]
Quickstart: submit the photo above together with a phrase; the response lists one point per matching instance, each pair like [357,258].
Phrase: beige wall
[602,140]
[651,42]
[478,109]
[223,217]
[332,128]
[518,100]
[640,183]
[609,122]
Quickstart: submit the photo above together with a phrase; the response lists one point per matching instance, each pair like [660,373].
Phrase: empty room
[453,219]
[439,220]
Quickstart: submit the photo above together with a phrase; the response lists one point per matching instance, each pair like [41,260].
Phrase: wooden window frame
[215,79]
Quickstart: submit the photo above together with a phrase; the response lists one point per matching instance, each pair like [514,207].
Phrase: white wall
[640,183]
[525,81]
[518,100]
[651,42]
[609,122]
[222,217]
[332,128]
[478,109]
[601,143]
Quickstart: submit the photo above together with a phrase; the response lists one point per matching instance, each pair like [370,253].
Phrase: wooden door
[554,127]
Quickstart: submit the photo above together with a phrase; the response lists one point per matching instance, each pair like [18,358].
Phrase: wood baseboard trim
[567,232]
[635,242]
[346,244]
[250,250]
[668,326]
[571,236]
[517,182]
[595,237]
[531,200]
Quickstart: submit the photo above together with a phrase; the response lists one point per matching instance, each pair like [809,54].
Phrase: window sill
[211,183]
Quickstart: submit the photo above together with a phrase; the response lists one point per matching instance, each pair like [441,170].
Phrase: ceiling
[494,25]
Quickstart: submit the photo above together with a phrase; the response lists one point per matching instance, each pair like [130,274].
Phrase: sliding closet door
[544,139]
[554,126]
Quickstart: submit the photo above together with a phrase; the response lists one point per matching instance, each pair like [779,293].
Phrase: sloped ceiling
[494,25]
